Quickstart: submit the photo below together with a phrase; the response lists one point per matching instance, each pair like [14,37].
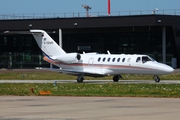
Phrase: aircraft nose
[168,69]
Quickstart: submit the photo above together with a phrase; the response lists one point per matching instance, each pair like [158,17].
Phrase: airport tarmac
[88,108]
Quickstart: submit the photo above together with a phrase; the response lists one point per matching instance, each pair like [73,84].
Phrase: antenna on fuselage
[108,52]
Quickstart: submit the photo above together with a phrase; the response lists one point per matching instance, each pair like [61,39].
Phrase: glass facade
[21,51]
[144,42]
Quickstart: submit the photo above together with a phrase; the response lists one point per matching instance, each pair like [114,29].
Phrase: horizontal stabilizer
[17,32]
[23,32]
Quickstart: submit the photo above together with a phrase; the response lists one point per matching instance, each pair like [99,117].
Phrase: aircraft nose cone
[168,69]
[164,69]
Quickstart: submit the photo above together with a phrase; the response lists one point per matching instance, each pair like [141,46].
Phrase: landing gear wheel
[116,78]
[157,79]
[80,79]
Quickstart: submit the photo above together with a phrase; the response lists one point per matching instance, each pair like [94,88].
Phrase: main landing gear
[80,78]
[156,78]
[116,78]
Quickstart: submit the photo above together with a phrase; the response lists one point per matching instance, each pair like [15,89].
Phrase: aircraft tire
[116,78]
[80,79]
[157,79]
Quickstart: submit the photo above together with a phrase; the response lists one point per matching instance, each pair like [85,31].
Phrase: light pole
[87,9]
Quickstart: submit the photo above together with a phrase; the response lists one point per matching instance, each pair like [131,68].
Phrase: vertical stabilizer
[48,46]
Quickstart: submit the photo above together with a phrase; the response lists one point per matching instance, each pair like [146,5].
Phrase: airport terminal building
[157,35]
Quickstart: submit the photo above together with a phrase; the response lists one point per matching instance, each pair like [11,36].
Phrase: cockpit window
[151,58]
[146,58]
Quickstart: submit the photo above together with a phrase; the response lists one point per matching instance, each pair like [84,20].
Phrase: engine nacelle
[68,58]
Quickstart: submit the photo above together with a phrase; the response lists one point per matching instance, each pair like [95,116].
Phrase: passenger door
[91,61]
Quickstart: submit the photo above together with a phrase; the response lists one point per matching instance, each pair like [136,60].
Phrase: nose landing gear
[156,78]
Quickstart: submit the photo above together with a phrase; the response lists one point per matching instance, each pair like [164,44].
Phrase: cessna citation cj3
[96,65]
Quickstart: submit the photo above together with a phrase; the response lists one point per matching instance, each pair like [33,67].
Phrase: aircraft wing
[73,72]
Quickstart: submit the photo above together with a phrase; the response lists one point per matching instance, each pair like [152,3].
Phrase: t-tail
[51,49]
[48,46]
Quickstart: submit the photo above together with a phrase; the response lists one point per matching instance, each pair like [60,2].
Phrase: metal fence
[92,14]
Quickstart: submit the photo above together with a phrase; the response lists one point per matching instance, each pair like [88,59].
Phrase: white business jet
[93,64]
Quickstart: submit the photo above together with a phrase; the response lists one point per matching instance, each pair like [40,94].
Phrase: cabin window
[99,59]
[104,59]
[123,59]
[138,60]
[129,59]
[109,59]
[118,59]
[113,59]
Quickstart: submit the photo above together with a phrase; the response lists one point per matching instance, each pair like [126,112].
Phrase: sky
[70,6]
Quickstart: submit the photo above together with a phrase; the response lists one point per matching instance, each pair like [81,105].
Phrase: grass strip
[108,89]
